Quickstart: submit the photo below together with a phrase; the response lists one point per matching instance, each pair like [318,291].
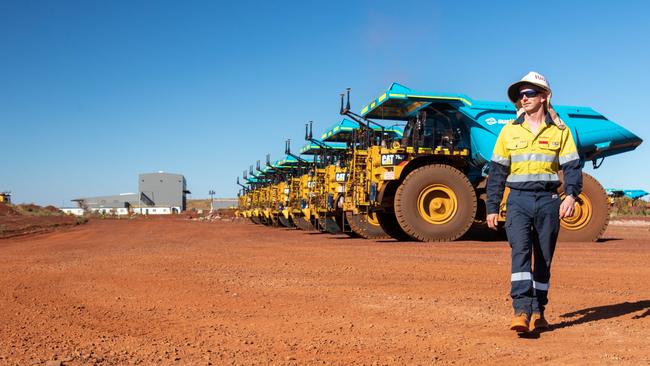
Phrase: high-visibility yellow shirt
[530,161]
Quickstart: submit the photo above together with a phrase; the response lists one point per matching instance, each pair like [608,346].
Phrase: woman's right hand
[492,221]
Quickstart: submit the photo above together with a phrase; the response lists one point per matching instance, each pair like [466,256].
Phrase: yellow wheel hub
[437,204]
[372,219]
[581,214]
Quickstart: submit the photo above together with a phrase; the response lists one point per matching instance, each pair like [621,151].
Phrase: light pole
[211,193]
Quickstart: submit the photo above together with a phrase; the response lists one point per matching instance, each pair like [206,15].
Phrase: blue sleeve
[496,184]
[572,177]
[570,165]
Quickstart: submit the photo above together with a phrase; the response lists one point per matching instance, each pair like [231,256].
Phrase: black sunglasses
[529,93]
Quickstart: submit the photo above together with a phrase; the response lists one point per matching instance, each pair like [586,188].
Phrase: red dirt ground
[173,291]
[11,226]
[7,210]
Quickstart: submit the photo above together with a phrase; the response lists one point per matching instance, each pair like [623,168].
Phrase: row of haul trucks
[413,165]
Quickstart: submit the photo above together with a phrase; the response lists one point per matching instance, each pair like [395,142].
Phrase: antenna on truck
[239,184]
[347,106]
[363,122]
[287,150]
[309,136]
[345,109]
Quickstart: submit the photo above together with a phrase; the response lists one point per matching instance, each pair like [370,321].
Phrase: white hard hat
[533,78]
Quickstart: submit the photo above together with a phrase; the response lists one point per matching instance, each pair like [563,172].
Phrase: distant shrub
[624,206]
[30,209]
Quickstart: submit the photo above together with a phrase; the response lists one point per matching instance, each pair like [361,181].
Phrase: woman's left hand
[567,207]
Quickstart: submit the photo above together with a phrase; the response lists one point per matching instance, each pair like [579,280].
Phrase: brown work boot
[538,322]
[520,323]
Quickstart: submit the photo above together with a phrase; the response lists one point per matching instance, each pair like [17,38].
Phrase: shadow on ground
[480,232]
[594,314]
[604,312]
[605,240]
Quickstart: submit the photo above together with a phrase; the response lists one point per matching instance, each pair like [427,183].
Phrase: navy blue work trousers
[532,226]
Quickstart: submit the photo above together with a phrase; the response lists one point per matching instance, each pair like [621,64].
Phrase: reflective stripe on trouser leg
[519,220]
[539,286]
[546,227]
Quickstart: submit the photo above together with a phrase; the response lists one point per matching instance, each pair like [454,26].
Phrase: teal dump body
[342,131]
[259,176]
[629,193]
[254,179]
[596,136]
[315,149]
[287,162]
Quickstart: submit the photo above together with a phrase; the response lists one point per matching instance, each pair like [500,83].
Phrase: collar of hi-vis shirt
[547,119]
[521,120]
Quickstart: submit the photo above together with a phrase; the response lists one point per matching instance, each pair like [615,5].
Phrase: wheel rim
[437,204]
[372,219]
[581,215]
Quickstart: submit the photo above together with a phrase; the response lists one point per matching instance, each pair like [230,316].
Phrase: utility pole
[211,193]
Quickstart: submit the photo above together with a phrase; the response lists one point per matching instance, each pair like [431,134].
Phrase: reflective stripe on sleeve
[517,178]
[521,276]
[501,160]
[532,157]
[540,286]
[569,157]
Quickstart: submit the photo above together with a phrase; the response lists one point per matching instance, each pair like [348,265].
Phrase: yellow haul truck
[419,206]
[326,216]
[355,188]
[269,192]
[280,174]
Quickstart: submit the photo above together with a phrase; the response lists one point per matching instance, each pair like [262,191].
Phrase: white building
[148,210]
[72,211]
[119,211]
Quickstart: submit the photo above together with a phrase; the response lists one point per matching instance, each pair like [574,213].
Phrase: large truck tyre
[285,221]
[591,215]
[329,225]
[435,203]
[302,223]
[266,221]
[366,226]
[391,226]
[387,219]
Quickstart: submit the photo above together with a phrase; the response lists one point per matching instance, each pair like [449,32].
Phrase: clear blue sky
[94,92]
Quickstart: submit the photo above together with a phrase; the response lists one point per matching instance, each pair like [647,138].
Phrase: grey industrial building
[163,189]
[114,201]
[225,203]
[157,193]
